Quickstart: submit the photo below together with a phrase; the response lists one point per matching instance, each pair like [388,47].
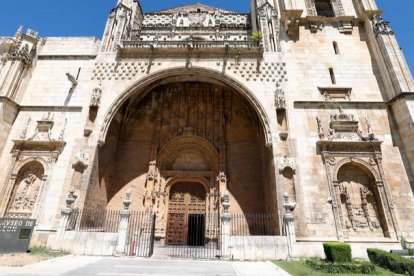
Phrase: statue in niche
[359,208]
[26,195]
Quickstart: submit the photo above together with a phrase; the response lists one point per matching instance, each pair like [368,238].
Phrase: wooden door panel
[185,199]
[175,229]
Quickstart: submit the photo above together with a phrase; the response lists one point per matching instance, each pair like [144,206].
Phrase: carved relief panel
[26,191]
[33,158]
[360,197]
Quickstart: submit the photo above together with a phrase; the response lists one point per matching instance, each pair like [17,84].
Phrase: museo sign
[15,234]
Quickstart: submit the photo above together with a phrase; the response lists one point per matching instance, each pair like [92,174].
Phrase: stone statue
[26,195]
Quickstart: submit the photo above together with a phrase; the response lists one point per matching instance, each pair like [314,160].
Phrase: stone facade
[311,99]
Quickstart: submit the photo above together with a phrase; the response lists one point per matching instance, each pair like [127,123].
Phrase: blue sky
[87,17]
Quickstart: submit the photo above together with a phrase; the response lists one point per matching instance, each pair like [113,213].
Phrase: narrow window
[336,48]
[324,8]
[331,72]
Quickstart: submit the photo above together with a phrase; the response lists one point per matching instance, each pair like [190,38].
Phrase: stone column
[123,225]
[288,226]
[64,219]
[225,227]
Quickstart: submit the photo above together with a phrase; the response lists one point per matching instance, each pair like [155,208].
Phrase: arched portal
[180,128]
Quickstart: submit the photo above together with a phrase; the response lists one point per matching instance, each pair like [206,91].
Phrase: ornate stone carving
[222,177]
[321,133]
[370,131]
[361,209]
[71,198]
[280,101]
[62,132]
[381,26]
[96,97]
[26,194]
[81,162]
[43,129]
[151,176]
[127,201]
[285,163]
[23,136]
[26,190]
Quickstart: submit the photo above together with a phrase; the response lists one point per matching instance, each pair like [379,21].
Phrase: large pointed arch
[140,88]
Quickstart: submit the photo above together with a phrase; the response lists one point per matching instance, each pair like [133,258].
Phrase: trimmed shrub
[337,252]
[411,252]
[391,261]
[347,268]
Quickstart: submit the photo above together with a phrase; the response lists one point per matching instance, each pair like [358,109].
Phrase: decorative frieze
[247,69]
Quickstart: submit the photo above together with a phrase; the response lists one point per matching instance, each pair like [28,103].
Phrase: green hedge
[337,252]
[411,252]
[391,261]
[348,268]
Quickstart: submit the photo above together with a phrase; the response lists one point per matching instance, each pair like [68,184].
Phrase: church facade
[301,111]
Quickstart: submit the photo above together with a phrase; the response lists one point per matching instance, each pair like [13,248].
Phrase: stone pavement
[84,265]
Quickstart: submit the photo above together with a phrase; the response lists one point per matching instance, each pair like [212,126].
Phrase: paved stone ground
[83,265]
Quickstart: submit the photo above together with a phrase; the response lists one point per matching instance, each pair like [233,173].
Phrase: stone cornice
[362,104]
[335,104]
[40,108]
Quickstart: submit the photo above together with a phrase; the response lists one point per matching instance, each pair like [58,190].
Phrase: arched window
[26,191]
[360,202]
[324,8]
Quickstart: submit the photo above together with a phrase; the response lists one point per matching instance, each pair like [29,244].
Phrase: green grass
[298,268]
[46,252]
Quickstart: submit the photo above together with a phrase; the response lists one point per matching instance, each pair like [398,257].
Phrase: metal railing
[94,221]
[140,236]
[254,224]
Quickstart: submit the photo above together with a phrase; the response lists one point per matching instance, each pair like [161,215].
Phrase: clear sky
[87,17]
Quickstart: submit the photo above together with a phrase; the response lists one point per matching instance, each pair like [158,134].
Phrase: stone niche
[360,196]
[33,158]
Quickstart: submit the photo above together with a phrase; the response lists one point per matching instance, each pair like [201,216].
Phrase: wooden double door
[186,215]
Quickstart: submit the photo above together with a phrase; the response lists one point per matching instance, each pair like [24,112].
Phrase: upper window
[324,8]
